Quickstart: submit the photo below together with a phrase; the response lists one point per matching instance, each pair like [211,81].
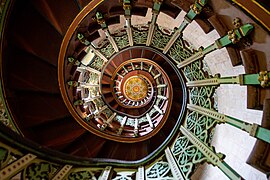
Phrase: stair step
[106,89]
[175,105]
[167,128]
[124,56]
[118,150]
[31,73]
[159,60]
[87,145]
[106,79]
[136,53]
[60,18]
[110,69]
[155,141]
[59,132]
[35,39]
[109,98]
[115,105]
[38,106]
[118,60]
[147,54]
[33,121]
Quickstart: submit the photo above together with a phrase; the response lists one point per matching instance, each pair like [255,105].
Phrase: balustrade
[189,149]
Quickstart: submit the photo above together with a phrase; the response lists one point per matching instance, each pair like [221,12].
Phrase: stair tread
[31,73]
[60,18]
[35,39]
[58,132]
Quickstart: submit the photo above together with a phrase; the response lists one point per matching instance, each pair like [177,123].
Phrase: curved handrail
[5,8]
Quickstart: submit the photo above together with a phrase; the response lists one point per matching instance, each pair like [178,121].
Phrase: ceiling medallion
[136,88]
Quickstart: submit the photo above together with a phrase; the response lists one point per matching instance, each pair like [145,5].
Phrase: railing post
[108,121]
[261,79]
[123,122]
[226,40]
[15,167]
[136,128]
[97,52]
[152,25]
[149,119]
[106,173]
[215,159]
[173,165]
[195,9]
[140,175]
[84,41]
[101,21]
[127,8]
[62,173]
[216,81]
[254,130]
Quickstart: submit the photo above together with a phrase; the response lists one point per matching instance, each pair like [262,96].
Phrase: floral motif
[42,170]
[160,39]
[140,33]
[194,71]
[158,170]
[80,175]
[121,41]
[107,49]
[97,64]
[179,52]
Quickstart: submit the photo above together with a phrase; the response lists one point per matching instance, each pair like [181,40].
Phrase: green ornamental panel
[140,33]
[160,39]
[160,170]
[41,170]
[80,175]
[107,49]
[97,64]
[180,50]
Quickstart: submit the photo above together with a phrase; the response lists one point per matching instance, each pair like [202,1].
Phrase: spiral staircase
[86,102]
